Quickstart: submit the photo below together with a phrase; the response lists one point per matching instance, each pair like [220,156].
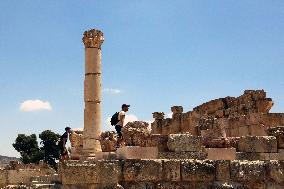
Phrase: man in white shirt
[120,124]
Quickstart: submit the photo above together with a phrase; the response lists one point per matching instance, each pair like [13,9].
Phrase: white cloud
[35,105]
[169,115]
[130,118]
[112,91]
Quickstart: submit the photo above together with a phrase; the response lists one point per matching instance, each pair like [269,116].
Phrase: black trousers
[118,131]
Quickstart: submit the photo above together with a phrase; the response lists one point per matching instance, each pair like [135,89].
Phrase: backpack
[114,119]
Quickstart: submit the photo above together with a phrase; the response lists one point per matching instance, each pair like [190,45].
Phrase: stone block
[159,141]
[3,178]
[257,144]
[210,107]
[264,105]
[108,141]
[171,170]
[76,139]
[158,115]
[234,132]
[93,60]
[139,185]
[256,94]
[92,83]
[229,142]
[167,126]
[273,185]
[252,156]
[184,143]
[137,152]
[255,184]
[90,172]
[273,119]
[105,155]
[177,109]
[76,152]
[275,171]
[244,130]
[156,127]
[278,132]
[15,177]
[258,130]
[142,170]
[221,153]
[223,170]
[242,171]
[182,155]
[197,170]
[210,134]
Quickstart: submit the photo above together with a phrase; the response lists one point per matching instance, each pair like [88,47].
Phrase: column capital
[93,38]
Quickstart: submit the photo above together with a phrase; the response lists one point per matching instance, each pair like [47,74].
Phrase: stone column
[176,119]
[156,126]
[92,40]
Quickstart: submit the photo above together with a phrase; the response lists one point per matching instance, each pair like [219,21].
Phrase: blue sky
[156,54]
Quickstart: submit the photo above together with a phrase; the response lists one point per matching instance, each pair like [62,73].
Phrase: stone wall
[17,173]
[21,176]
[247,114]
[163,173]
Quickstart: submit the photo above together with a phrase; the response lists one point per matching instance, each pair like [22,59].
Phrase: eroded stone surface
[184,143]
[143,170]
[196,170]
[90,172]
[248,171]
[257,144]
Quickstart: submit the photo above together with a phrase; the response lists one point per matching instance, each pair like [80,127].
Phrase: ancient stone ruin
[231,142]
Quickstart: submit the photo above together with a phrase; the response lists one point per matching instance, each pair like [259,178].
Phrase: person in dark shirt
[62,144]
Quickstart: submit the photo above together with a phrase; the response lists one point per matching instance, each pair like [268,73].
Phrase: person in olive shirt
[62,144]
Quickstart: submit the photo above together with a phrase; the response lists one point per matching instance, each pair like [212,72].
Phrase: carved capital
[177,109]
[158,115]
[93,38]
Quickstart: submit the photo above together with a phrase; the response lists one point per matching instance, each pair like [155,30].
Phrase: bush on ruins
[31,152]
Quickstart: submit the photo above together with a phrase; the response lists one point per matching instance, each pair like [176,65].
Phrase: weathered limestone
[223,170]
[159,141]
[171,170]
[158,123]
[136,133]
[184,143]
[22,174]
[176,119]
[183,155]
[143,170]
[232,117]
[252,156]
[243,171]
[197,171]
[108,141]
[76,140]
[278,132]
[104,172]
[257,144]
[221,153]
[137,152]
[92,40]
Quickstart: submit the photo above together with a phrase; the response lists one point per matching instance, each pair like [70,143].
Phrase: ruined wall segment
[247,114]
[164,173]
